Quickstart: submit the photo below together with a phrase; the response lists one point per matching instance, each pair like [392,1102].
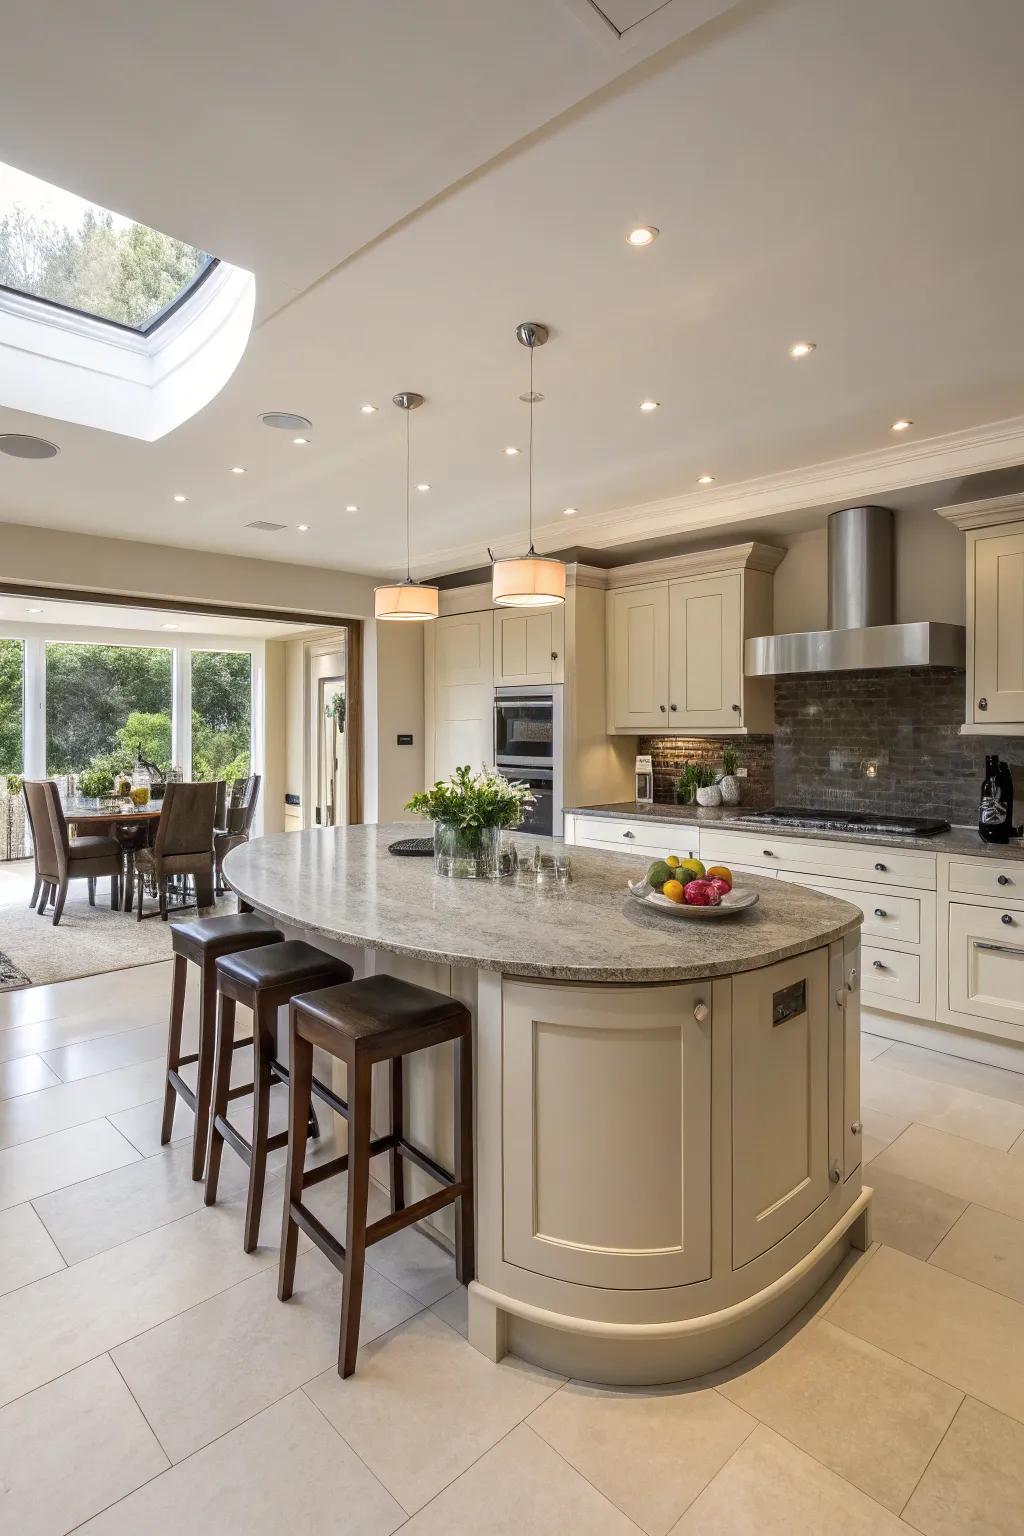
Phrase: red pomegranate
[721,886]
[702,893]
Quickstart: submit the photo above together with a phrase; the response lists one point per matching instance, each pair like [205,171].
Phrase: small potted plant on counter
[695,780]
[470,811]
[730,786]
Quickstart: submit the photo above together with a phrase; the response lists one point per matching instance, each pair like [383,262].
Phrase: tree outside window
[221,714]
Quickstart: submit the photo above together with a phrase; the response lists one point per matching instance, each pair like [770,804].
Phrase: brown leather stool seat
[378,1019]
[263,979]
[203,941]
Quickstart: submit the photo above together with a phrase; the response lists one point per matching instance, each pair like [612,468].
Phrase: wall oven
[528,746]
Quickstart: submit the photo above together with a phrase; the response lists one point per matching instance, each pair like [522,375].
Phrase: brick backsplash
[858,741]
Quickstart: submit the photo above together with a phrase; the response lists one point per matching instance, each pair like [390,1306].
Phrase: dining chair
[183,844]
[38,880]
[237,824]
[61,858]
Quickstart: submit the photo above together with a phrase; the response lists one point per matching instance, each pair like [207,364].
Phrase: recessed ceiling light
[20,445]
[570,511]
[300,442]
[351,507]
[33,610]
[902,425]
[802,348]
[649,405]
[302,527]
[705,479]
[286,421]
[644,234]
[368,410]
[179,497]
[423,486]
[237,469]
[511,452]
[169,626]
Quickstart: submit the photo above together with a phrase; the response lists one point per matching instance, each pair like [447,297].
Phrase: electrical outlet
[741,773]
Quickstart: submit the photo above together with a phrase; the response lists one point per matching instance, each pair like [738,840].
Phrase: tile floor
[147,1368]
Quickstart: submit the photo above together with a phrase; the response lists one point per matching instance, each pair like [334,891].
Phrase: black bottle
[995,814]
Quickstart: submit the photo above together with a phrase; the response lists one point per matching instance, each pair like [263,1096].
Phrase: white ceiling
[57,615]
[844,173]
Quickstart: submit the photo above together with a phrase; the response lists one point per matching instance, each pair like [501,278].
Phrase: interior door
[999,630]
[638,669]
[706,652]
[463,692]
[331,808]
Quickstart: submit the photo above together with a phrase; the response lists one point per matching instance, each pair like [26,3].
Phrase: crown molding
[701,562]
[995,445]
[990,512]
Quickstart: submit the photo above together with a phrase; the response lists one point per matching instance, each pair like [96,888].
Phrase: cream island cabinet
[667,1119]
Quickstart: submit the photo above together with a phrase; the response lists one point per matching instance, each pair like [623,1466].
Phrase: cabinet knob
[1004,880]
[673,707]
[629,834]
[834,1175]
[662,708]
[554,655]
[983,703]
[856,1127]
[1007,919]
[881,912]
[767,852]
[736,709]
[878,966]
[701,1011]
[851,980]
[881,868]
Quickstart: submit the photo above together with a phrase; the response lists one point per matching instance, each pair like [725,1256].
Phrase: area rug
[87,941]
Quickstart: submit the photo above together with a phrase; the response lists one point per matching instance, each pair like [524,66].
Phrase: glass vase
[467,853]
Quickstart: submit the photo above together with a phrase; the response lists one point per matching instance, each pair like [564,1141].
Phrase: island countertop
[342,884]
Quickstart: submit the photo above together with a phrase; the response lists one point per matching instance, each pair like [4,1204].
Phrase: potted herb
[728,783]
[470,811]
[693,777]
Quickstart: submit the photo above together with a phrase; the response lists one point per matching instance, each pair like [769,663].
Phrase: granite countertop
[958,840]
[342,884]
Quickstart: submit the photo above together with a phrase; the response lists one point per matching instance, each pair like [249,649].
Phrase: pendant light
[530,580]
[408,601]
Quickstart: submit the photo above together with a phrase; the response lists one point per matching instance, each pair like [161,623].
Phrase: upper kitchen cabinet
[459,669]
[529,647]
[676,632]
[995,614]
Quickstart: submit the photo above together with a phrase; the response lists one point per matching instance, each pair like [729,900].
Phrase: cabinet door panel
[986,962]
[853,1141]
[463,692]
[528,647]
[606,1133]
[780,1100]
[999,630]
[705,651]
[639,657]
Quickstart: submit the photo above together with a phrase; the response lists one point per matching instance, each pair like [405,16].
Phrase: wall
[669,753]
[399,711]
[274,741]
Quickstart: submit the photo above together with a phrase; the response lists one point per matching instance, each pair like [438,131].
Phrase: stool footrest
[336,1165]
[423,1161]
[396,1220]
[180,1086]
[234,1139]
[320,1090]
[185,1061]
[238,1044]
[240,1091]
[324,1240]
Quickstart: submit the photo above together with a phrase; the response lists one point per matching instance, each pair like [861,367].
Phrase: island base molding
[654,1354]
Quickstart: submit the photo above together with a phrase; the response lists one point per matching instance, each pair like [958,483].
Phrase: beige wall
[394,705]
[929,575]
[82,561]
[274,735]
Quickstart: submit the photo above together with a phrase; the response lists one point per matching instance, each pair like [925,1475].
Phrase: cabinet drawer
[986,962]
[637,836]
[854,861]
[988,877]
[886,916]
[890,973]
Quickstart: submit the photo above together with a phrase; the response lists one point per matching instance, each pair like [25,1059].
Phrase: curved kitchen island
[667,1111]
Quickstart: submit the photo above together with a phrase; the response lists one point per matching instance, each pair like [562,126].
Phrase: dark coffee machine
[995,813]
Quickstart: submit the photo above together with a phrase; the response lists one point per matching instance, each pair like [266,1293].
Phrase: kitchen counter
[667,1115]
[958,840]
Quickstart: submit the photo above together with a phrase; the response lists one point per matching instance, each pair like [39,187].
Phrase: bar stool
[203,940]
[380,1018]
[263,979]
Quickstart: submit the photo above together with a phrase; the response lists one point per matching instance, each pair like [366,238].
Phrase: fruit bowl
[736,900]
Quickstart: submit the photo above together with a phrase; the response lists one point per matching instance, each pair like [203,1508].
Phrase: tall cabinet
[994,704]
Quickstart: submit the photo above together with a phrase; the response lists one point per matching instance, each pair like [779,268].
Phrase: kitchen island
[667,1110]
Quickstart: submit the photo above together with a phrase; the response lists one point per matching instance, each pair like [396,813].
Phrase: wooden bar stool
[203,940]
[381,1018]
[263,979]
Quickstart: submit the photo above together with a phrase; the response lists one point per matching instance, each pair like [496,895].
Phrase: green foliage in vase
[468,800]
[730,761]
[693,776]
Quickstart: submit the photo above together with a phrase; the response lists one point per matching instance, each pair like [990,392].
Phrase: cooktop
[845,821]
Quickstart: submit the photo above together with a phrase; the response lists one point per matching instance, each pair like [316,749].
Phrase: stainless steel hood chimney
[861,633]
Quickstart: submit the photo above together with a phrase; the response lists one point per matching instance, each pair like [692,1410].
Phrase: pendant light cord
[408,510]
[530,494]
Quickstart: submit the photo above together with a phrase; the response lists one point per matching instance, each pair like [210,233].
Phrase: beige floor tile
[202,1373]
[649,1451]
[870,1417]
[36,1167]
[71,1029]
[770,1488]
[110,991]
[141,1125]
[88,1058]
[65,1319]
[979,1076]
[879,1131]
[86,1218]
[872,1046]
[988,1248]
[520,1488]
[975,1482]
[977,1174]
[975,1116]
[283,1471]
[25,1074]
[409,1259]
[68,1104]
[70,1449]
[453,1309]
[423,1405]
[27,1251]
[957,1331]
[908,1215]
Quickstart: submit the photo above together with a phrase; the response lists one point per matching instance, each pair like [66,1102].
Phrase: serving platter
[737,900]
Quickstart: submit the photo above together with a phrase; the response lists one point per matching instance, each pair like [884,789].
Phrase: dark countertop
[958,840]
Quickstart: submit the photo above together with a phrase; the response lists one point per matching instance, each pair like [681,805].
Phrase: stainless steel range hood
[861,633]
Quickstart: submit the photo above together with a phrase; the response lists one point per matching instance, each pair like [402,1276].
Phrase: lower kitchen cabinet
[986,962]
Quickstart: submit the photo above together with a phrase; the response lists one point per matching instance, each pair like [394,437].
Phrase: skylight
[68,252]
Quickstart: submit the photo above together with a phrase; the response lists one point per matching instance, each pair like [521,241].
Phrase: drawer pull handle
[998,949]
[1007,919]
[881,868]
[879,966]
[767,853]
[629,834]
[881,912]
[1004,880]
[701,1011]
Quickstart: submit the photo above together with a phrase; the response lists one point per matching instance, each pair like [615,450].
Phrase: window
[106,705]
[12,707]
[66,251]
[221,714]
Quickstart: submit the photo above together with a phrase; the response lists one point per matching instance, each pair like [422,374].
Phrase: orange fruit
[673,889]
[720,872]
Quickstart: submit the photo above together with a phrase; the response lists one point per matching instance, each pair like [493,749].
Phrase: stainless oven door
[539,817]
[524,729]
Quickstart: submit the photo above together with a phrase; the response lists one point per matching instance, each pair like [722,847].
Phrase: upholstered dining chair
[183,844]
[61,858]
[237,824]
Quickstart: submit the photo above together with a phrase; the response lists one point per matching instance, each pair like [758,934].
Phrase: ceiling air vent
[265,527]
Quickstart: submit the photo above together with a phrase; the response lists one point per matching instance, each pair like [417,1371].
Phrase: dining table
[91,816]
